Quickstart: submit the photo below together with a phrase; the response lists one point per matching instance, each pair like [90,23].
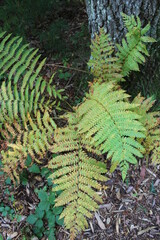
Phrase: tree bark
[106,13]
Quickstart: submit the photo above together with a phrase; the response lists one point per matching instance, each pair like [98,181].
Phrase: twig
[149,171]
[146,230]
[61,66]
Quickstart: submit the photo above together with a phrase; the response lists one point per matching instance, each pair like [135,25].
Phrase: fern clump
[109,121]
[104,66]
[26,102]
[133,49]
[151,122]
[77,173]
[23,90]
[106,122]
[34,140]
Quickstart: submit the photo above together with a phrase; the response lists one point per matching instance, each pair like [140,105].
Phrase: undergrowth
[105,123]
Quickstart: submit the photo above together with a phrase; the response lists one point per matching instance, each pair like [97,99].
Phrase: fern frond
[110,122]
[13,160]
[133,49]
[77,175]
[104,65]
[35,141]
[151,121]
[24,90]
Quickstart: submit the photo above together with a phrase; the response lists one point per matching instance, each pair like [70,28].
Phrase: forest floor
[130,210]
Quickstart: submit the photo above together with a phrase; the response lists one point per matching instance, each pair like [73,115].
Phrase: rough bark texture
[106,13]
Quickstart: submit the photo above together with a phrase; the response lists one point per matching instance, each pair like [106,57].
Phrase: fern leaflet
[24,90]
[133,50]
[35,141]
[103,65]
[77,174]
[108,119]
[151,121]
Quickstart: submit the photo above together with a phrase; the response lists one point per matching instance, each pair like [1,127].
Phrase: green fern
[151,121]
[103,65]
[133,49]
[24,90]
[77,173]
[105,122]
[108,119]
[26,99]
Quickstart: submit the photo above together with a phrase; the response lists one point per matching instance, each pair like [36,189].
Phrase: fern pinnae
[4,92]
[24,96]
[133,48]
[2,35]
[34,140]
[110,121]
[105,122]
[103,65]
[40,67]
[43,85]
[9,91]
[38,83]
[14,59]
[151,121]
[74,163]
[8,54]
[10,112]
[21,70]
[2,45]
[22,55]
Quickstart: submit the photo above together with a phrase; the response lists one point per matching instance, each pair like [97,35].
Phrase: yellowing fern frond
[35,141]
[77,174]
[151,121]
[133,49]
[14,161]
[107,118]
[104,65]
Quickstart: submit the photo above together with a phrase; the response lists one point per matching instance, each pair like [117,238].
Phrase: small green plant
[9,212]
[46,215]
[33,170]
[64,75]
[6,211]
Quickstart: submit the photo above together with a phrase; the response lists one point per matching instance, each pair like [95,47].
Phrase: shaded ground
[130,210]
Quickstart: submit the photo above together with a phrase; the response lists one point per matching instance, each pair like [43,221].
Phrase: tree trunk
[106,13]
